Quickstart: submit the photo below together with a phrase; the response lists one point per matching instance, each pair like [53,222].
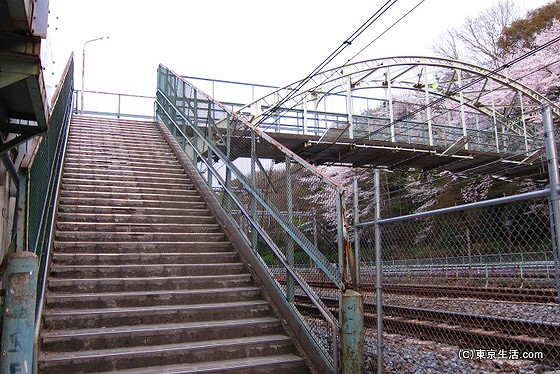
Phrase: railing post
[552,160]
[428,112]
[357,249]
[290,243]
[378,271]
[389,97]
[350,108]
[462,107]
[254,207]
[119,106]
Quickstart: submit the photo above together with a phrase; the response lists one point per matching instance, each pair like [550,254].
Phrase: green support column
[352,339]
[19,314]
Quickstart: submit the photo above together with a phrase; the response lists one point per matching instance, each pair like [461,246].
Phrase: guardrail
[119,105]
[267,187]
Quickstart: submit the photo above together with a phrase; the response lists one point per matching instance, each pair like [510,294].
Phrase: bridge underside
[374,153]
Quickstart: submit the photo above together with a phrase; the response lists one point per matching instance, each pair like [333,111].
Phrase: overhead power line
[356,34]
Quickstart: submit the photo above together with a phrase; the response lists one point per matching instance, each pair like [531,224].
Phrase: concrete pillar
[19,314]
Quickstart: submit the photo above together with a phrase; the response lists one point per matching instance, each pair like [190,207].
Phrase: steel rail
[533,295]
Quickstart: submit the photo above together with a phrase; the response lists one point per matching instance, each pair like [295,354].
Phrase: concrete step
[100,155]
[103,122]
[117,132]
[148,140]
[99,161]
[192,352]
[132,151]
[277,364]
[112,129]
[135,218]
[150,315]
[100,236]
[145,270]
[149,137]
[145,298]
[145,182]
[136,246]
[164,195]
[137,150]
[92,186]
[138,227]
[132,210]
[108,178]
[85,285]
[143,258]
[172,333]
[190,202]
[101,171]
[87,165]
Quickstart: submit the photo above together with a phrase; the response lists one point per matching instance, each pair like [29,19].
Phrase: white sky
[268,42]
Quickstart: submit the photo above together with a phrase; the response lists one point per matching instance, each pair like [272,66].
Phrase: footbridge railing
[290,215]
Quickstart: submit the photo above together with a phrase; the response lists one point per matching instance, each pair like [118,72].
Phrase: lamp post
[84,70]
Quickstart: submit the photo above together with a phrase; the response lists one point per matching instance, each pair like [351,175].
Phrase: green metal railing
[265,188]
[38,179]
[46,164]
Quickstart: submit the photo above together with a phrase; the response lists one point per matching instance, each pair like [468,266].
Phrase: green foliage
[521,34]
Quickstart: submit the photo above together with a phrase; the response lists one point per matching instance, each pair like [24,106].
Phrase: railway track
[515,294]
[464,330]
[533,295]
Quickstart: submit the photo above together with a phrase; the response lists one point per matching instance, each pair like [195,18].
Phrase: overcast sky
[269,42]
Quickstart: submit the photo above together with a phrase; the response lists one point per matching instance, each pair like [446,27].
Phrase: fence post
[290,244]
[378,271]
[352,339]
[357,254]
[552,161]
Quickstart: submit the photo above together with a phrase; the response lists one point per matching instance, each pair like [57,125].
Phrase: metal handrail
[458,208]
[183,117]
[323,309]
[116,109]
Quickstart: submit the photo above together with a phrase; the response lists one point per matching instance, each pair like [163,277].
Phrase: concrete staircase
[142,278]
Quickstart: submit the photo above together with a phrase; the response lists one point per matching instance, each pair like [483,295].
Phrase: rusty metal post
[378,271]
[19,314]
[352,339]
[554,202]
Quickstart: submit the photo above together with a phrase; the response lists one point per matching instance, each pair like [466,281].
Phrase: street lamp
[84,69]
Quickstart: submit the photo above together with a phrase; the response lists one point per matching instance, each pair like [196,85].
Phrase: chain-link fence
[471,287]
[290,215]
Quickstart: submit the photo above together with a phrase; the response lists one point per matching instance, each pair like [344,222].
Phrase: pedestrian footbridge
[401,112]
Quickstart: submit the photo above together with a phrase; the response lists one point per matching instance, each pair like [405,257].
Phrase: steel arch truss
[447,105]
